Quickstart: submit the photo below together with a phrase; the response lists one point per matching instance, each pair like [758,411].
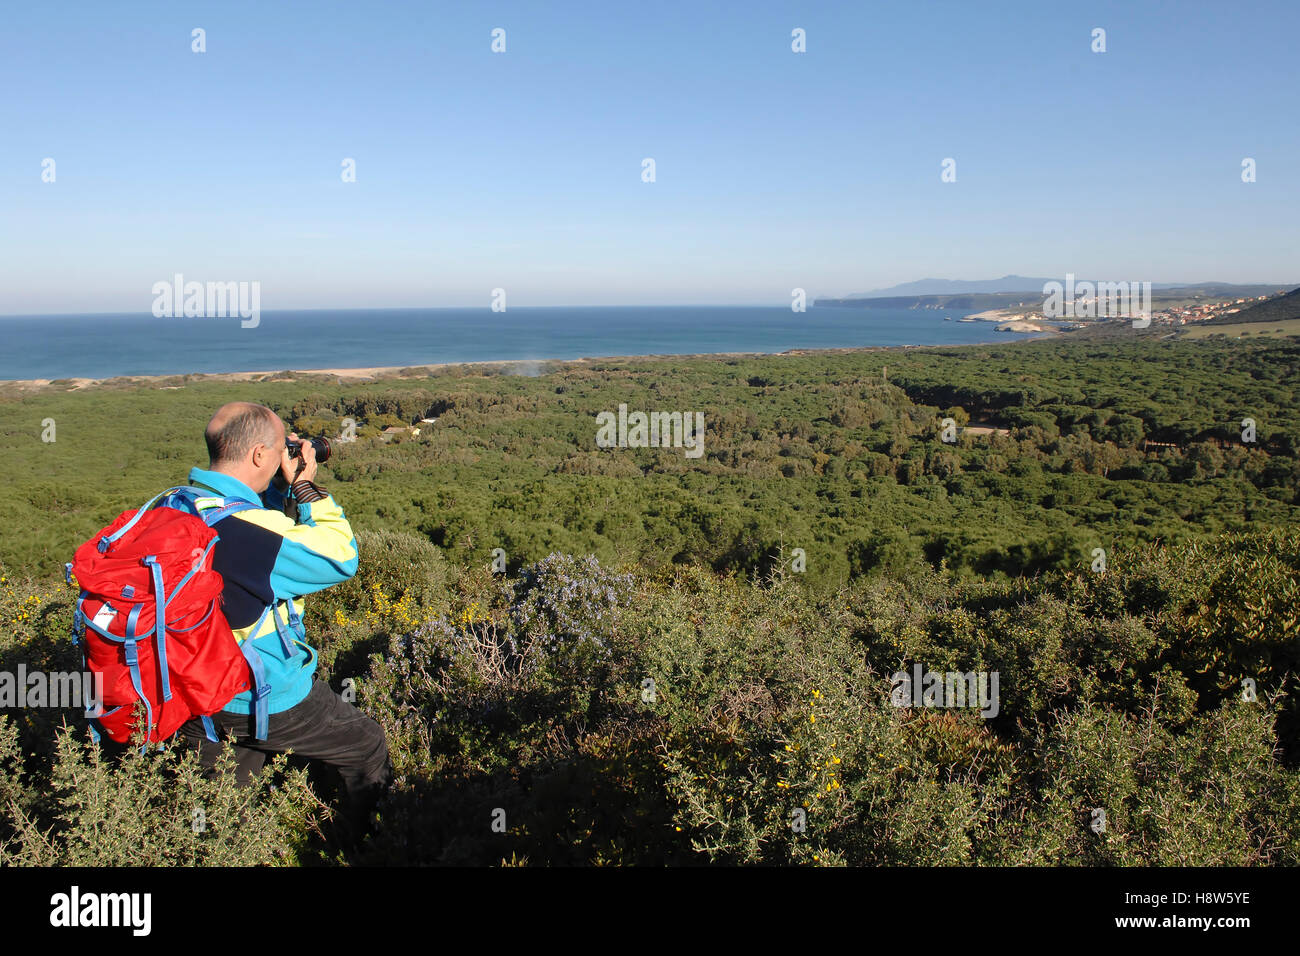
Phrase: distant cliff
[973,301]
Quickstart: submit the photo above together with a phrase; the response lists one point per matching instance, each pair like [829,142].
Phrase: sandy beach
[376,373]
[372,373]
[1024,325]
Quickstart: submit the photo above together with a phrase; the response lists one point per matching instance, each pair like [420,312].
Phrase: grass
[1284,328]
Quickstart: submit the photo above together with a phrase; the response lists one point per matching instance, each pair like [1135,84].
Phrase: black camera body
[322,446]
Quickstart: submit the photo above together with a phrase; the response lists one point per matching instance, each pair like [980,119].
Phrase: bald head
[239,427]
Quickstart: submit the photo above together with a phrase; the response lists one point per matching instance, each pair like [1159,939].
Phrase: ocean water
[103,346]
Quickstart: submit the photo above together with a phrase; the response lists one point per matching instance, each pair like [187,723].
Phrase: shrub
[153,808]
[576,714]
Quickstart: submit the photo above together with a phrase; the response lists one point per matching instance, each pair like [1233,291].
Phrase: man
[269,560]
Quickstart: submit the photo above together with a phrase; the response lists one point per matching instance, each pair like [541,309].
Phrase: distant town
[1181,313]
[1027,306]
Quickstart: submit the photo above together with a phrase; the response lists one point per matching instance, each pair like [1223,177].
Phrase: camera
[322,446]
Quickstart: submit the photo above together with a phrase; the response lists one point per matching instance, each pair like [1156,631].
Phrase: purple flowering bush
[565,621]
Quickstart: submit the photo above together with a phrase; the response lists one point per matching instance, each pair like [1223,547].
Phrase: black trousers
[322,726]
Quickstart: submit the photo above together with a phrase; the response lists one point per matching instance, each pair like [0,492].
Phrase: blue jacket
[269,560]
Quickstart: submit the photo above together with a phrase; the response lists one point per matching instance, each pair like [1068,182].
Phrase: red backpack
[150,617]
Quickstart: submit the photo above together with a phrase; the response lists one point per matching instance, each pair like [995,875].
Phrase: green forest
[1108,523]
[841,455]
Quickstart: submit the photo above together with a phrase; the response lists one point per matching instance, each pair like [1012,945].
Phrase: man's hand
[303,467]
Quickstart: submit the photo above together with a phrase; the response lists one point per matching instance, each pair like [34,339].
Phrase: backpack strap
[133,662]
[107,541]
[212,517]
[160,602]
[261,690]
[198,564]
[295,622]
[209,730]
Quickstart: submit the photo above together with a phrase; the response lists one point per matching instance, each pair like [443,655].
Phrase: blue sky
[522,170]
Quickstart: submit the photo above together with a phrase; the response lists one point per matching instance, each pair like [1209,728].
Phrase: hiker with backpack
[192,605]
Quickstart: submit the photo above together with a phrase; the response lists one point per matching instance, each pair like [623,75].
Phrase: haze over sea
[104,346]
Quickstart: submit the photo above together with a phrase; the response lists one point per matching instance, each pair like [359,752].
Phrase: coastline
[380,372]
[1012,320]
[383,372]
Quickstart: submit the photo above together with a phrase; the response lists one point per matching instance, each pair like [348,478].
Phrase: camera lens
[322,446]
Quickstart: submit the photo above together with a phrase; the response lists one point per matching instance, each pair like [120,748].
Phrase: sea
[109,345]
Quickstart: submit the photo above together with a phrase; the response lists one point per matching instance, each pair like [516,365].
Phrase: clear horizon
[522,170]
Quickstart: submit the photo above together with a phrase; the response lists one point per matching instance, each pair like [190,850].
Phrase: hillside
[1277,309]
